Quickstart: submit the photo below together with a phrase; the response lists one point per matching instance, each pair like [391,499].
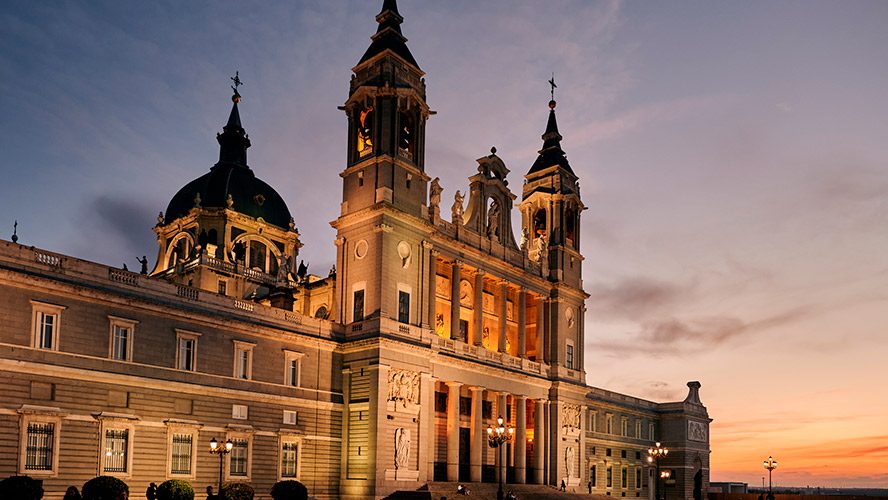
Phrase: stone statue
[144,262]
[570,460]
[435,191]
[402,447]
[283,273]
[570,417]
[493,221]
[160,218]
[457,208]
[523,239]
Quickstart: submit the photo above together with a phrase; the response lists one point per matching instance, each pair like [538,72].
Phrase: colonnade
[524,297]
[517,458]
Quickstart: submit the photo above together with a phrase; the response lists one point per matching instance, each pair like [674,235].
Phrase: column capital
[453,384]
[503,282]
[476,388]
[339,241]
[427,244]
[480,272]
[457,263]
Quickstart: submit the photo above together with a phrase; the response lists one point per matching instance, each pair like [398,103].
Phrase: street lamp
[656,454]
[215,449]
[665,475]
[770,464]
[496,436]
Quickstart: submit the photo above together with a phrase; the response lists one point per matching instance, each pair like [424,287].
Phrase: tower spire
[388,35]
[551,154]
[233,141]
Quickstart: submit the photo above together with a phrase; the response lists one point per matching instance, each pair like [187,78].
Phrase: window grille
[288,459]
[116,441]
[38,453]
[181,459]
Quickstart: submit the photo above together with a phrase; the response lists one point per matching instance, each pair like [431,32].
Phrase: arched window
[406,134]
[570,225]
[365,131]
[539,223]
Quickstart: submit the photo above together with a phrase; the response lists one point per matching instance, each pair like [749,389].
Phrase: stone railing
[481,353]
[51,260]
[122,276]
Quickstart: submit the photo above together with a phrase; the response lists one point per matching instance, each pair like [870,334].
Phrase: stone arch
[178,249]
[272,254]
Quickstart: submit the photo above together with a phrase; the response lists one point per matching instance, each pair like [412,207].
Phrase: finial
[552,103]
[197,200]
[159,218]
[229,202]
[237,83]
[15,237]
[493,150]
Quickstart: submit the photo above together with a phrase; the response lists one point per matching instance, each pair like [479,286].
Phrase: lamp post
[656,454]
[665,475]
[215,449]
[770,464]
[496,436]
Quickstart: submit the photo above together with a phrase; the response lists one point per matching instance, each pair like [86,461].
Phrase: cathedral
[388,374]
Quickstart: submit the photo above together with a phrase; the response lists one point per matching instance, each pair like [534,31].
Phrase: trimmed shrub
[168,490]
[289,490]
[104,488]
[237,491]
[21,488]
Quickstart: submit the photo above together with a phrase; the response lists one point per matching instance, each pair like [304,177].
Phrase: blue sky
[732,156]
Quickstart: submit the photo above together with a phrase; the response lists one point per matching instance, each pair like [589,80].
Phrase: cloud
[116,229]
[636,297]
[671,336]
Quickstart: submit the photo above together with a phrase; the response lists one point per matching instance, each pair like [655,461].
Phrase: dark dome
[250,195]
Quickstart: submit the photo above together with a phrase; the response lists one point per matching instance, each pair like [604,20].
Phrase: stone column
[539,441]
[478,435]
[454,300]
[433,288]
[520,439]
[522,323]
[478,312]
[501,343]
[425,445]
[501,412]
[542,352]
[453,431]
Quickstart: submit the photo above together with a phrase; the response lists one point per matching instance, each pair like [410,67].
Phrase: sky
[733,158]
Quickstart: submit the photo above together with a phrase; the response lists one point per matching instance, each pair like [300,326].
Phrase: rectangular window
[403,307]
[223,287]
[120,348]
[238,460]
[624,478]
[638,429]
[610,424]
[45,325]
[607,452]
[592,478]
[180,459]
[465,406]
[651,435]
[40,446]
[623,453]
[243,360]
[116,446]
[291,417]
[610,477]
[359,306]
[593,416]
[239,412]
[46,330]
[463,330]
[293,368]
[487,409]
[186,350]
[289,457]
[638,478]
[569,360]
[624,427]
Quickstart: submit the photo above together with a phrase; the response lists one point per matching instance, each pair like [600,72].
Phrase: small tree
[104,488]
[237,491]
[289,490]
[175,489]
[21,488]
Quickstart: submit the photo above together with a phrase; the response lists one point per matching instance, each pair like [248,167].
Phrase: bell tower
[387,114]
[550,209]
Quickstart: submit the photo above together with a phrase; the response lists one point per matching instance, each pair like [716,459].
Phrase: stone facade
[382,376]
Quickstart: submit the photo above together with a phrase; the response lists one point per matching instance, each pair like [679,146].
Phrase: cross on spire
[552,84]
[237,83]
